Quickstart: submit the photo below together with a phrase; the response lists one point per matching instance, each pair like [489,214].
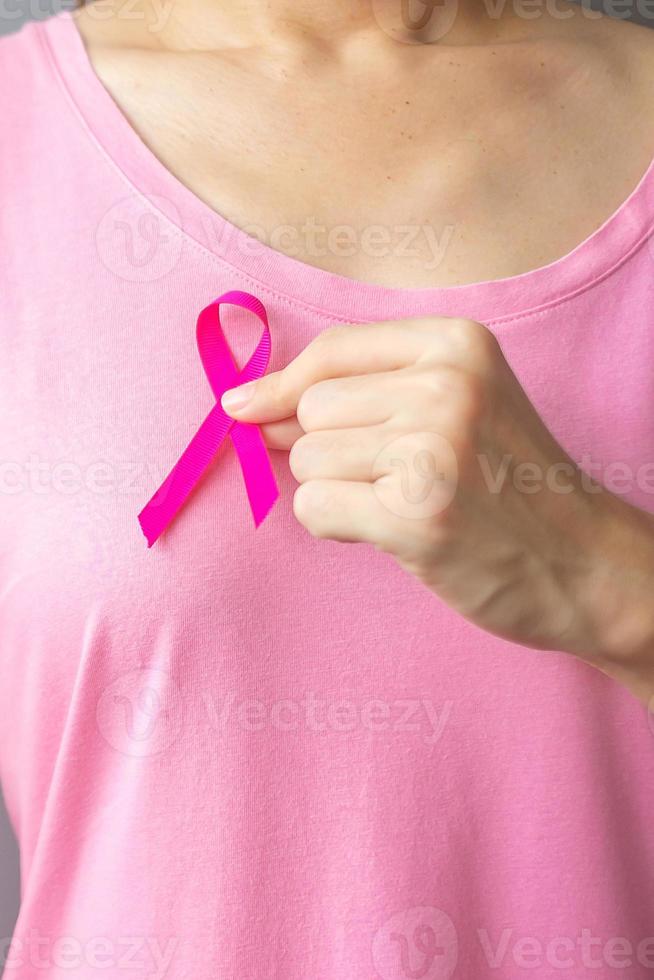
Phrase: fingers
[350,402]
[338,454]
[363,349]
[415,471]
[337,352]
[281,435]
[348,512]
[355,402]
[342,402]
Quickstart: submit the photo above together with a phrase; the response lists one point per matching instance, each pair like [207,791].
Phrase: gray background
[13,13]
[9,885]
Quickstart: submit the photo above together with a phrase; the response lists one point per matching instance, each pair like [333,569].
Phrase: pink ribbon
[247,439]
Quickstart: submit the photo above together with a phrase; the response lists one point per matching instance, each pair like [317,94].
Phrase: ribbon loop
[222,373]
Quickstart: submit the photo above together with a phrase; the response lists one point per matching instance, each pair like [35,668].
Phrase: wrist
[615,600]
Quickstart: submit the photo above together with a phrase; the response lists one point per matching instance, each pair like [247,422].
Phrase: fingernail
[236,398]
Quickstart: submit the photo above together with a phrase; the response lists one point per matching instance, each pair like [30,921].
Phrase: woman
[400,728]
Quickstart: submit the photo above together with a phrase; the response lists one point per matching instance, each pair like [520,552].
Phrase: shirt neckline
[330,294]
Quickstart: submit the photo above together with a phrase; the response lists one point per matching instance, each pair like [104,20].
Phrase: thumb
[268,399]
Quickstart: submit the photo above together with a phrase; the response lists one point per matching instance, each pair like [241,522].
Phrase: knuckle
[452,395]
[457,397]
[474,338]
[433,386]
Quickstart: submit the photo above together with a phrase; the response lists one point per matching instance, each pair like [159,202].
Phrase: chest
[449,175]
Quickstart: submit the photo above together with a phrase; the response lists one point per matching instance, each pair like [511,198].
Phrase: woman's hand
[415,436]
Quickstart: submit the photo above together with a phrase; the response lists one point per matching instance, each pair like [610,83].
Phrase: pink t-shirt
[254,755]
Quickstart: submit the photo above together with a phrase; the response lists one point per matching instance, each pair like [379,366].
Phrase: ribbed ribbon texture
[221,370]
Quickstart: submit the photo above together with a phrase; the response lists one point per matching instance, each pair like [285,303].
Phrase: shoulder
[25,83]
[18,39]
[630,54]
[33,105]
[624,51]
[21,58]
[28,78]
[610,73]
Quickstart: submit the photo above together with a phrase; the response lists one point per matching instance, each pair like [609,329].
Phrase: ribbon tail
[260,483]
[168,499]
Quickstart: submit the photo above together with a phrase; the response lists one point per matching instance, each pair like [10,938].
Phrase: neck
[313,18]
[332,24]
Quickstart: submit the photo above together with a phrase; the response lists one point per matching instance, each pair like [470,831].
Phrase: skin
[490,134]
[363,405]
